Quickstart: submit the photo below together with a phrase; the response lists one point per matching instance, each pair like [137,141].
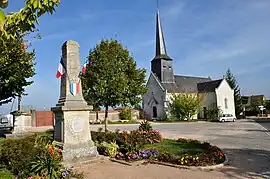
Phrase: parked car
[6,123]
[226,118]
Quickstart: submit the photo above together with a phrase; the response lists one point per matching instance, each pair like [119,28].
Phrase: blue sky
[203,37]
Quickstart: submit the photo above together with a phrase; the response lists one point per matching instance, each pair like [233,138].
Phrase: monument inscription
[77,125]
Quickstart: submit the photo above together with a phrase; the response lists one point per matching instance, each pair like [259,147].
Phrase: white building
[163,82]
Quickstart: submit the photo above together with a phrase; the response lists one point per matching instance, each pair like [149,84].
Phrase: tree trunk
[19,103]
[97,115]
[106,117]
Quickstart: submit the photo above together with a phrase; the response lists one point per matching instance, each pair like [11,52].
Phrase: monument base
[72,129]
[22,123]
[73,153]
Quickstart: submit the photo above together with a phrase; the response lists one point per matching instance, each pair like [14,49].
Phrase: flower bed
[146,143]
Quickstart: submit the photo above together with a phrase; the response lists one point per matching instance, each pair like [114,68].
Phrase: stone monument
[71,113]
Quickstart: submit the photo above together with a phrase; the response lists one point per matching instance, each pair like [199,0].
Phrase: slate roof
[209,86]
[184,84]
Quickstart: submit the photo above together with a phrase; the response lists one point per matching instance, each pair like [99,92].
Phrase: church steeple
[162,64]
[160,42]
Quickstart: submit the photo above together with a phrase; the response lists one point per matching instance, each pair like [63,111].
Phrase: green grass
[174,120]
[123,122]
[176,148]
[5,174]
[1,141]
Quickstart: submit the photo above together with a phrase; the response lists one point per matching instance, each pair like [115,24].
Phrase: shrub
[148,137]
[125,114]
[5,174]
[109,149]
[16,154]
[127,142]
[141,114]
[44,138]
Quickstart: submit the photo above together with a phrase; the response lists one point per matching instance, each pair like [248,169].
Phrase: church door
[154,112]
[204,112]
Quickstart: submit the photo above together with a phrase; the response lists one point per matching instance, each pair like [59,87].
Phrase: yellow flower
[182,163]
[182,159]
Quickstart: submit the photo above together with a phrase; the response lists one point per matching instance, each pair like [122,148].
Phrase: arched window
[226,103]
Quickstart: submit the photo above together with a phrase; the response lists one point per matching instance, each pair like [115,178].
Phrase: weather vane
[157,4]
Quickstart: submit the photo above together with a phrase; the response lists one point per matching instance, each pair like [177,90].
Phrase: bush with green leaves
[16,154]
[184,106]
[108,149]
[125,114]
[5,174]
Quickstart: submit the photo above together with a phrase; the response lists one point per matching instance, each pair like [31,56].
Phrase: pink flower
[30,177]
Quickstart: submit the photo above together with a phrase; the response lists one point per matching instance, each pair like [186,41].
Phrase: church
[162,83]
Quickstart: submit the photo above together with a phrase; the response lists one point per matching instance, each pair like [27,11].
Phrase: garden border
[210,167]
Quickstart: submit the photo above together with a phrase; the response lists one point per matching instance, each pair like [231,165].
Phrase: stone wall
[113,115]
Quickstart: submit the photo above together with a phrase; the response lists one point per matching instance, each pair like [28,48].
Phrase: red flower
[51,150]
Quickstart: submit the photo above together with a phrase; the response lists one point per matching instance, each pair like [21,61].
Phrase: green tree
[13,25]
[16,67]
[111,78]
[184,105]
[213,113]
[16,63]
[230,78]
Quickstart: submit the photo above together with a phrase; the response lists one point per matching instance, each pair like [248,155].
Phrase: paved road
[265,122]
[246,144]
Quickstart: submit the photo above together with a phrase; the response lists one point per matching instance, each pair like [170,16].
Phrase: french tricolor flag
[61,69]
[84,68]
[74,88]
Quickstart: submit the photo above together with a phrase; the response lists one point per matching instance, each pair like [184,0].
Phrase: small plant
[145,126]
[125,114]
[139,155]
[106,148]
[69,173]
[48,164]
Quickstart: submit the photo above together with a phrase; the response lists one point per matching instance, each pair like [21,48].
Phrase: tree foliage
[213,113]
[16,62]
[184,105]
[111,78]
[17,65]
[12,25]
[230,78]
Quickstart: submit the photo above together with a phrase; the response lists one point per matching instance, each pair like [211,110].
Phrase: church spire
[161,51]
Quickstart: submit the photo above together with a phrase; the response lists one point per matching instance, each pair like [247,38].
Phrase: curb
[120,161]
[212,167]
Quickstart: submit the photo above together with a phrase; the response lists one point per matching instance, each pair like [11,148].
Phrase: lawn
[124,122]
[174,120]
[1,141]
[177,148]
